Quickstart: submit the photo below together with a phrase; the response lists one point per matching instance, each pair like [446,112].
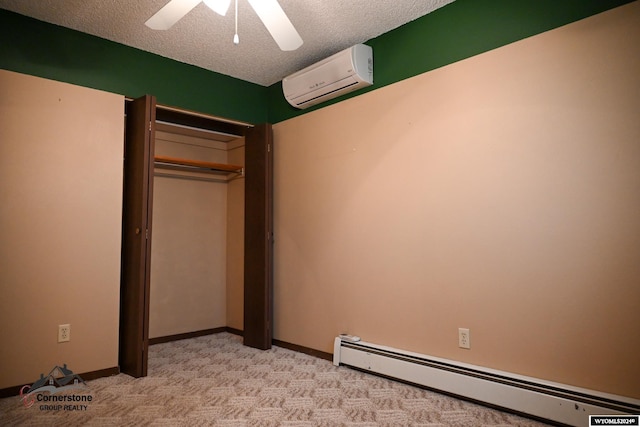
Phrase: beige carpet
[216,381]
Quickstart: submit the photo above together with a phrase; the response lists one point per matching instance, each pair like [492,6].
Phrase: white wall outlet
[64,333]
[464,338]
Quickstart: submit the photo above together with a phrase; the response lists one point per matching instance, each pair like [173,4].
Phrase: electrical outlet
[464,338]
[64,333]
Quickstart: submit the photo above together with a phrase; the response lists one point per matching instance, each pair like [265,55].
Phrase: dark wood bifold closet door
[136,235]
[258,237]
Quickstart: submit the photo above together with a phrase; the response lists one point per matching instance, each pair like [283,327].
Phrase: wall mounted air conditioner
[341,73]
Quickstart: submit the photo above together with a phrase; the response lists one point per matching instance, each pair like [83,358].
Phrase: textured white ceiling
[205,39]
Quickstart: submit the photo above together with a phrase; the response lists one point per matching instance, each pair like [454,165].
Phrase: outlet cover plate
[464,338]
[64,333]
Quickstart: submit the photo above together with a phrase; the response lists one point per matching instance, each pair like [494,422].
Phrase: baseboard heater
[556,402]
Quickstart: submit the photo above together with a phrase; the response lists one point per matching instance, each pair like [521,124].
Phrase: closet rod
[197,164]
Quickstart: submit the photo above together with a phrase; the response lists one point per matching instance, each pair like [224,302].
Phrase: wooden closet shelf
[197,164]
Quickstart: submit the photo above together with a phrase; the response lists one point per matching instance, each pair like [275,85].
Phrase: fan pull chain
[236,39]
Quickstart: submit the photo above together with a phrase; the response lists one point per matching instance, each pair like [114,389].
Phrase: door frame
[137,223]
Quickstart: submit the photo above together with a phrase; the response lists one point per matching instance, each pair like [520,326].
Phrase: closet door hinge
[268,148]
[149,126]
[146,234]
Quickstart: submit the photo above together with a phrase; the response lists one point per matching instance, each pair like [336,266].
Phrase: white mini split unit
[341,73]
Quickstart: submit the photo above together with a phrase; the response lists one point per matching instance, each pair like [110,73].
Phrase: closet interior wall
[197,249]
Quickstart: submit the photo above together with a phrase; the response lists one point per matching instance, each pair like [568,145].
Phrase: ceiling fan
[269,11]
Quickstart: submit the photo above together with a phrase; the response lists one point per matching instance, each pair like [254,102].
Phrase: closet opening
[197,258]
[192,261]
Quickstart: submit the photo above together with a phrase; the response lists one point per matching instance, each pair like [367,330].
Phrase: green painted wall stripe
[457,31]
[460,30]
[37,48]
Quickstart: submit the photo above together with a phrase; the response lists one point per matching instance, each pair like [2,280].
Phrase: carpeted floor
[216,381]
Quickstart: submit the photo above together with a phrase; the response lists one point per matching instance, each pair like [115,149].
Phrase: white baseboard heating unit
[541,399]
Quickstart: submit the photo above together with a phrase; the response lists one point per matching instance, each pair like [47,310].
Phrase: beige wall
[235,240]
[61,149]
[500,194]
[189,246]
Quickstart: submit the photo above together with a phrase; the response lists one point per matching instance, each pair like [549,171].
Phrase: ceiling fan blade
[171,13]
[218,6]
[277,23]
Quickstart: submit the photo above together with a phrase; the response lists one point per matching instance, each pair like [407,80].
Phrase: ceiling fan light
[218,6]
